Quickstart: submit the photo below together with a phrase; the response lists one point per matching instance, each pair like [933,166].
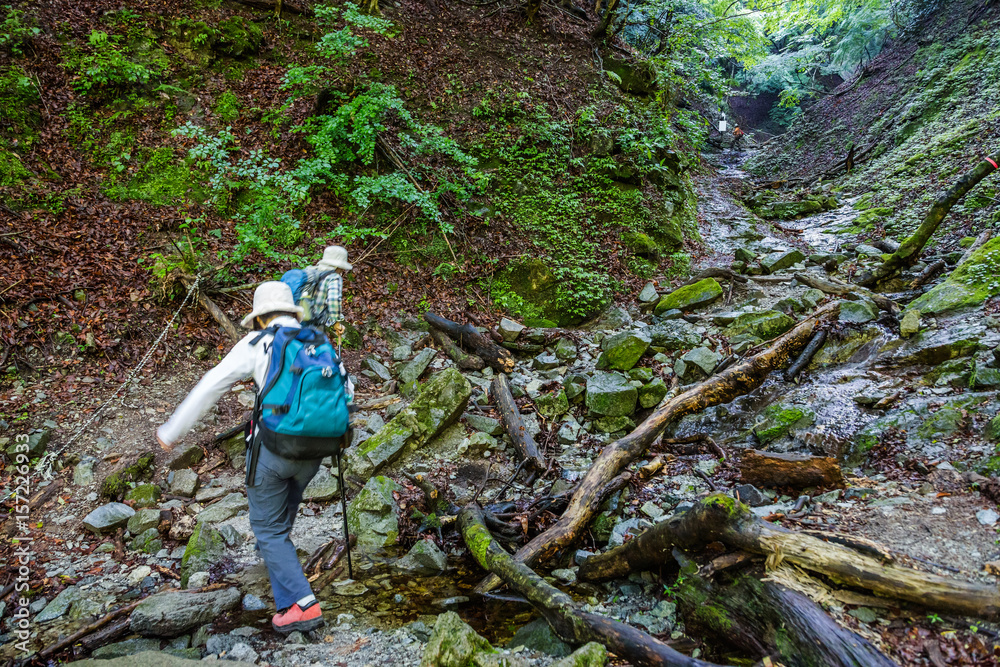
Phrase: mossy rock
[788,210]
[147,541]
[552,405]
[690,297]
[641,244]
[204,549]
[637,78]
[764,325]
[144,495]
[453,643]
[373,515]
[779,419]
[969,285]
[237,37]
[536,294]
[12,170]
[117,484]
[840,350]
[623,350]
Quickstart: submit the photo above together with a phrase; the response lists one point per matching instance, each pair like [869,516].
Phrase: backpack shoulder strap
[277,357]
[269,330]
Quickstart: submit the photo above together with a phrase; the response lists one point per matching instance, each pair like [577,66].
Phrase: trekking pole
[343,505]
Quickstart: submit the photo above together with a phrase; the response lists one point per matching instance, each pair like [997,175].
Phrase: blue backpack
[304,293]
[302,409]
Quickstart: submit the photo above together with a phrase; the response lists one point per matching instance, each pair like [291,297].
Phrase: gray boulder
[204,548]
[696,364]
[172,614]
[415,368]
[59,605]
[185,456]
[857,312]
[127,647]
[423,558]
[776,261]
[83,474]
[322,487]
[150,658]
[538,636]
[143,520]
[223,509]
[184,483]
[108,518]
[509,329]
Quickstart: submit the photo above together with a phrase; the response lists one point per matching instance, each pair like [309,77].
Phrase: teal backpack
[302,410]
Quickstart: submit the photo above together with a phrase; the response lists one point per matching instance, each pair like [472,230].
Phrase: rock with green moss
[204,549]
[778,261]
[787,210]
[779,419]
[640,244]
[144,495]
[588,655]
[34,447]
[611,395]
[909,324]
[531,288]
[148,541]
[934,346]
[552,405]
[117,484]
[842,347]
[623,350]
[143,520]
[453,643]
[651,394]
[969,285]
[992,430]
[613,424]
[690,297]
[238,37]
[12,171]
[984,377]
[440,401]
[764,324]
[857,312]
[673,335]
[696,364]
[373,515]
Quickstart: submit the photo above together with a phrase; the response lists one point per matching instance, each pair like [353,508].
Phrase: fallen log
[769,618]
[466,362]
[498,358]
[850,292]
[721,388]
[798,471]
[815,343]
[976,245]
[716,272]
[527,448]
[928,274]
[886,245]
[567,619]
[909,251]
[279,5]
[719,518]
[217,313]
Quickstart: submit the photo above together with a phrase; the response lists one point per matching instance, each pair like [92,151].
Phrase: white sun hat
[335,257]
[272,297]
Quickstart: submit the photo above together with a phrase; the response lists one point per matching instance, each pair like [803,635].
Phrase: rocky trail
[900,406]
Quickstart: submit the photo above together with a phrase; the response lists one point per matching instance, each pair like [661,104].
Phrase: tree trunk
[799,471]
[466,362]
[523,442]
[722,388]
[469,339]
[909,251]
[720,518]
[766,617]
[567,620]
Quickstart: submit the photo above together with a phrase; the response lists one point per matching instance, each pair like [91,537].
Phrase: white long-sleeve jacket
[243,360]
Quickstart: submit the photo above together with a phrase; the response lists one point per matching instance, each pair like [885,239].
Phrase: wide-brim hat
[335,257]
[272,297]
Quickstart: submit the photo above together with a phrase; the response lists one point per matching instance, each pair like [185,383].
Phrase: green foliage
[227,107]
[12,171]
[162,179]
[19,115]
[16,31]
[106,68]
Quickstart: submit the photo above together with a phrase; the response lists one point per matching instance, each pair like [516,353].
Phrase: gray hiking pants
[274,496]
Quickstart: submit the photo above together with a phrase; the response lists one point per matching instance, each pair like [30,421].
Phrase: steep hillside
[470,160]
[923,113]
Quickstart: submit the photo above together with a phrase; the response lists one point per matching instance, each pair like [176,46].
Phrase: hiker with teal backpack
[300,417]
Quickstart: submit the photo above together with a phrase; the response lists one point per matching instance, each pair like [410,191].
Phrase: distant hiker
[319,289]
[737,137]
[300,416]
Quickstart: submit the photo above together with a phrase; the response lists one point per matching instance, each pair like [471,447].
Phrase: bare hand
[163,445]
